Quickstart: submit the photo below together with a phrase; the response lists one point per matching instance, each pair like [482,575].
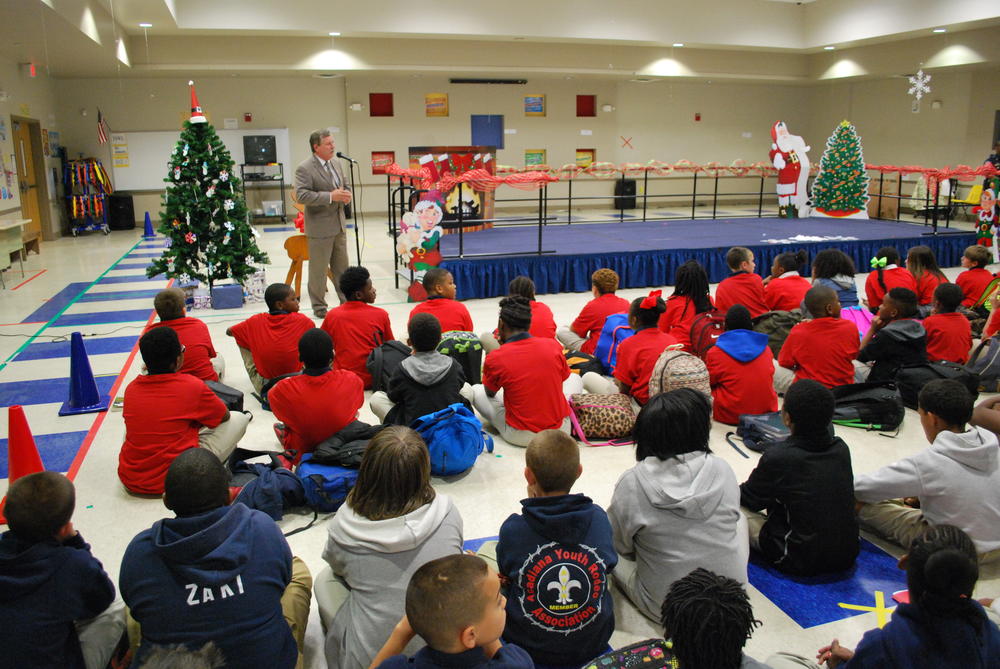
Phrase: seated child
[743,287]
[678,508]
[957,479]
[822,348]
[215,572]
[167,412]
[533,375]
[741,370]
[454,603]
[949,336]
[976,277]
[392,523]
[543,324]
[942,625]
[557,528]
[690,298]
[834,269]
[425,382]
[58,607]
[922,264]
[200,358]
[808,471]
[636,355]
[319,402]
[886,274]
[269,342]
[583,334]
[894,338]
[785,288]
[441,302]
[355,326]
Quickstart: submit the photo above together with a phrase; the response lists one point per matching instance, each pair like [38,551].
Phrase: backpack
[872,406]
[345,448]
[325,486]
[760,431]
[677,369]
[581,363]
[776,325]
[860,316]
[705,330]
[985,362]
[600,416]
[648,654]
[268,488]
[614,331]
[231,397]
[454,437]
[466,348]
[911,378]
[383,361]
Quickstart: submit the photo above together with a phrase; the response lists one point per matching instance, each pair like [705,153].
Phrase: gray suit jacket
[312,189]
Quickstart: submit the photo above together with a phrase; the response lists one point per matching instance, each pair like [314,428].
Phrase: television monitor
[259,150]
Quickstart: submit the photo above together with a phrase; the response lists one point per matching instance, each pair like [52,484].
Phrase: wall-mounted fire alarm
[697,116]
[248,117]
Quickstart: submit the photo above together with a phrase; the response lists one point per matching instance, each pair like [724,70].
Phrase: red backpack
[705,330]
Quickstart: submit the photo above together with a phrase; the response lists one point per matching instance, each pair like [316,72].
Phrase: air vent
[517,82]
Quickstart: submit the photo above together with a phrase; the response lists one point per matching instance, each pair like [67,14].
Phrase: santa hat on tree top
[196,115]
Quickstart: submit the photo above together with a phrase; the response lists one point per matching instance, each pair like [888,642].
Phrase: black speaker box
[121,212]
[625,194]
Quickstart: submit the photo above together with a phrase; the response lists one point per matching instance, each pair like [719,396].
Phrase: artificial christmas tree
[204,217]
[841,187]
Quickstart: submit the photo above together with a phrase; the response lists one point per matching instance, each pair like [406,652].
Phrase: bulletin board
[10,195]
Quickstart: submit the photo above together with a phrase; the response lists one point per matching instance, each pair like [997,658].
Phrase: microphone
[348,158]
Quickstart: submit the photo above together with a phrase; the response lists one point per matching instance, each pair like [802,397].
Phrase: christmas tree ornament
[225,240]
[229,225]
[190,238]
[919,85]
[176,223]
[177,173]
[228,205]
[196,114]
[186,149]
[210,192]
[224,175]
[841,187]
[204,168]
[187,217]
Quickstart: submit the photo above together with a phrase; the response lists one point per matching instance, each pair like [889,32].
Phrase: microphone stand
[354,213]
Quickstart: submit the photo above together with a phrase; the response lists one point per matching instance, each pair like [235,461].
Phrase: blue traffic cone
[83,394]
[148,234]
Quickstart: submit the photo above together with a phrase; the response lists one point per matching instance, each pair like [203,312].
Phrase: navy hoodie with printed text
[558,555]
[216,576]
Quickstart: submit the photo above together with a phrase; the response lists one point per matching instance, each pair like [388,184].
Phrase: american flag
[102,128]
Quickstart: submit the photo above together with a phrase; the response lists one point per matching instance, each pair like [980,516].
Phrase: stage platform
[648,253]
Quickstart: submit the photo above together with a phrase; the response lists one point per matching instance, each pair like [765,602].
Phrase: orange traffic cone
[22,454]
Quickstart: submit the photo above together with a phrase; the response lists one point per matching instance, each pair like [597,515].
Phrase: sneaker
[281,432]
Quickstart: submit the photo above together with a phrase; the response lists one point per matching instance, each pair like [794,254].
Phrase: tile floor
[95,284]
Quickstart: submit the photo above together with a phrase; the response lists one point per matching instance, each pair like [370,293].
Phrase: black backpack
[345,448]
[872,406]
[384,360]
[911,378]
[759,431]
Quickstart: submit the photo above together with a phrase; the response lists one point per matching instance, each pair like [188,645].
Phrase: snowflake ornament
[919,85]
[184,278]
[228,204]
[190,238]
[224,175]
[230,226]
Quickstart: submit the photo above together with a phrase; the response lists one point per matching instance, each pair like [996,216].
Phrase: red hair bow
[649,302]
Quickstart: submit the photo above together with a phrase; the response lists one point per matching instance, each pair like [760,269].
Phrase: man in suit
[320,187]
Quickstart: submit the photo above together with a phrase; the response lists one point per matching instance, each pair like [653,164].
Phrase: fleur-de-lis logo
[564,586]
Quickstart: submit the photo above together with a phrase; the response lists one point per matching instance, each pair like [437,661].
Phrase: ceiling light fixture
[145,25]
[829,48]
[940,30]
[678,44]
[334,34]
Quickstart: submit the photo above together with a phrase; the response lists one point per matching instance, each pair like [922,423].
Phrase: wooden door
[27,182]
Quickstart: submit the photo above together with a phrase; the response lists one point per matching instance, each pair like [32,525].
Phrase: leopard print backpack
[599,416]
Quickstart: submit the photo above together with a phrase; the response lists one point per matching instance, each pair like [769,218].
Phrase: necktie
[333,175]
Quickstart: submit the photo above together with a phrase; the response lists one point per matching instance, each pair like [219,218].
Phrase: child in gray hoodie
[679,507]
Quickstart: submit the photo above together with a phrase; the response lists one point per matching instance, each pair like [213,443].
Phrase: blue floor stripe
[281,228]
[46,391]
[128,278]
[56,303]
[60,349]
[120,295]
[132,265]
[128,315]
[57,450]
[134,255]
[474,544]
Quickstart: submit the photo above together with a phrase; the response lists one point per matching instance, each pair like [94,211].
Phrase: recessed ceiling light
[145,25]
[829,48]
[334,34]
[678,44]
[327,75]
[940,30]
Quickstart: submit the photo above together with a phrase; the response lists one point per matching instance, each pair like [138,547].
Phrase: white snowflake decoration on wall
[919,85]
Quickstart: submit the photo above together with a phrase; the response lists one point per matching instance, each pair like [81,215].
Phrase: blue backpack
[454,437]
[325,486]
[614,332]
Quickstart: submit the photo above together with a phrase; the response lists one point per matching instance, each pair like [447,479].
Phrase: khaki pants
[295,604]
[783,378]
[755,521]
[219,365]
[571,340]
[380,404]
[326,252]
[223,438]
[494,412]
[99,635]
[256,379]
[902,524]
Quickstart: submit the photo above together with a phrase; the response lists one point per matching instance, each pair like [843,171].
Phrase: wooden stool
[298,250]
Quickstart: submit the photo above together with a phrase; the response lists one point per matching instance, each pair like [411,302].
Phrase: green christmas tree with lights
[204,216]
[841,187]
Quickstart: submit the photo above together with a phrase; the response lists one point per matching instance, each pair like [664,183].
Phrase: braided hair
[515,312]
[691,281]
[709,619]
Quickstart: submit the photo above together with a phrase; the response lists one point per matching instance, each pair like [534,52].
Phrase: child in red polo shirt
[886,275]
[636,355]
[542,322]
[269,342]
[741,370]
[743,287]
[690,298]
[921,263]
[441,291]
[167,412]
[785,288]
[949,336]
[356,327]
[821,349]
[533,376]
[200,358]
[319,402]
[976,277]
[583,334]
